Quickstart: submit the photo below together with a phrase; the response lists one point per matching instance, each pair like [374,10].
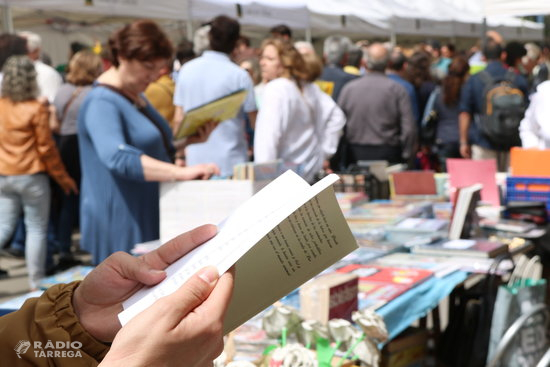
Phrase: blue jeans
[32,194]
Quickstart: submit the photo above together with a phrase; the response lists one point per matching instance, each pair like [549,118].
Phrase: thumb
[190,295]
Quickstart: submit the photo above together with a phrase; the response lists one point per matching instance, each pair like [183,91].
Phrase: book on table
[380,284]
[464,216]
[221,109]
[463,247]
[278,239]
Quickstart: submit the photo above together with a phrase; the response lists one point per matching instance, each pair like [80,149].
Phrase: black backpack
[503,109]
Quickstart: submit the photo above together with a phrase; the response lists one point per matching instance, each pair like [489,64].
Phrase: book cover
[464,216]
[219,110]
[468,248]
[466,172]
[278,239]
[380,284]
[413,183]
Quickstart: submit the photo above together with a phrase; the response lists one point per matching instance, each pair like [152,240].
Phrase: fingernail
[155,271]
[209,274]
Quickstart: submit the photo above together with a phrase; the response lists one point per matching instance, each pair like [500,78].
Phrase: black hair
[224,33]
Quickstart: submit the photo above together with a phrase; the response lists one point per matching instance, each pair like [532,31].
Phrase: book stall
[347,271]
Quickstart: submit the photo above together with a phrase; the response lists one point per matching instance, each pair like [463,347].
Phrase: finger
[179,246]
[216,305]
[189,296]
[133,268]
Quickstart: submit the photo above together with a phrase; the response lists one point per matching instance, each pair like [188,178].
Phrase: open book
[278,239]
[221,109]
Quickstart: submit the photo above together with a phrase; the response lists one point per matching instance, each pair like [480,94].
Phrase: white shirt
[534,129]
[48,80]
[300,127]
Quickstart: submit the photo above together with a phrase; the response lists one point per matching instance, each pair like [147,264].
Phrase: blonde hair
[84,68]
[294,66]
[314,66]
[19,79]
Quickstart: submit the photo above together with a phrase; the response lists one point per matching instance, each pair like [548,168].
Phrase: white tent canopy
[360,18]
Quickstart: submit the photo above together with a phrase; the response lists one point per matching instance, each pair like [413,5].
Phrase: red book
[380,284]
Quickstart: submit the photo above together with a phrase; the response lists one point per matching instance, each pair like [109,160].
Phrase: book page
[311,239]
[240,232]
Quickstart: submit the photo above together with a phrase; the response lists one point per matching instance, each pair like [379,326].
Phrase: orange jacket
[44,326]
[26,144]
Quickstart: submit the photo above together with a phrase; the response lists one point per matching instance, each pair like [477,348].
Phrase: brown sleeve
[46,148]
[50,318]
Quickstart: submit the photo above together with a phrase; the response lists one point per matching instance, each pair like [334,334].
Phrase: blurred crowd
[84,146]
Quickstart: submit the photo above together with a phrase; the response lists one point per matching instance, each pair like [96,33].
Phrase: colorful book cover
[380,284]
[219,110]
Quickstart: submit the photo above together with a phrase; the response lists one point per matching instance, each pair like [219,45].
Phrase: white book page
[237,234]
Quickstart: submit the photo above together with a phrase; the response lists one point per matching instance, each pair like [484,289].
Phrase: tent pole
[393,33]
[7,21]
[484,31]
[308,33]
[189,23]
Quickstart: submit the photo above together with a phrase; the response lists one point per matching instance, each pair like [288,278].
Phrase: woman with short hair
[27,156]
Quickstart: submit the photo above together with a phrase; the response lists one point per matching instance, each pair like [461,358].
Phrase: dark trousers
[447,150]
[360,152]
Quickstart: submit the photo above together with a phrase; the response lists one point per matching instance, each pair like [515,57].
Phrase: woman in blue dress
[126,146]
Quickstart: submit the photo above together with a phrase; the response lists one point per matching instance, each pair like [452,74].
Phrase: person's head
[281,31]
[280,59]
[252,67]
[139,51]
[19,80]
[184,51]
[314,66]
[514,53]
[243,43]
[34,44]
[355,54]
[377,57]
[397,61]
[76,47]
[84,68]
[10,45]
[531,59]
[224,33]
[434,48]
[492,50]
[335,50]
[448,50]
[418,68]
[304,47]
[452,83]
[200,39]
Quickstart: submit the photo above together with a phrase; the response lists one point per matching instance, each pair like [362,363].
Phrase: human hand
[203,133]
[69,186]
[465,151]
[98,299]
[197,172]
[186,325]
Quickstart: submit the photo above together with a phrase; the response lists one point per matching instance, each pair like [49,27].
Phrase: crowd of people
[104,132]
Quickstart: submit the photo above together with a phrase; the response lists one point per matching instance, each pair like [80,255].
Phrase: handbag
[519,297]
[428,127]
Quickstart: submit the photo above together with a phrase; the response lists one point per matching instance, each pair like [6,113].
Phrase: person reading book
[184,326]
[126,146]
